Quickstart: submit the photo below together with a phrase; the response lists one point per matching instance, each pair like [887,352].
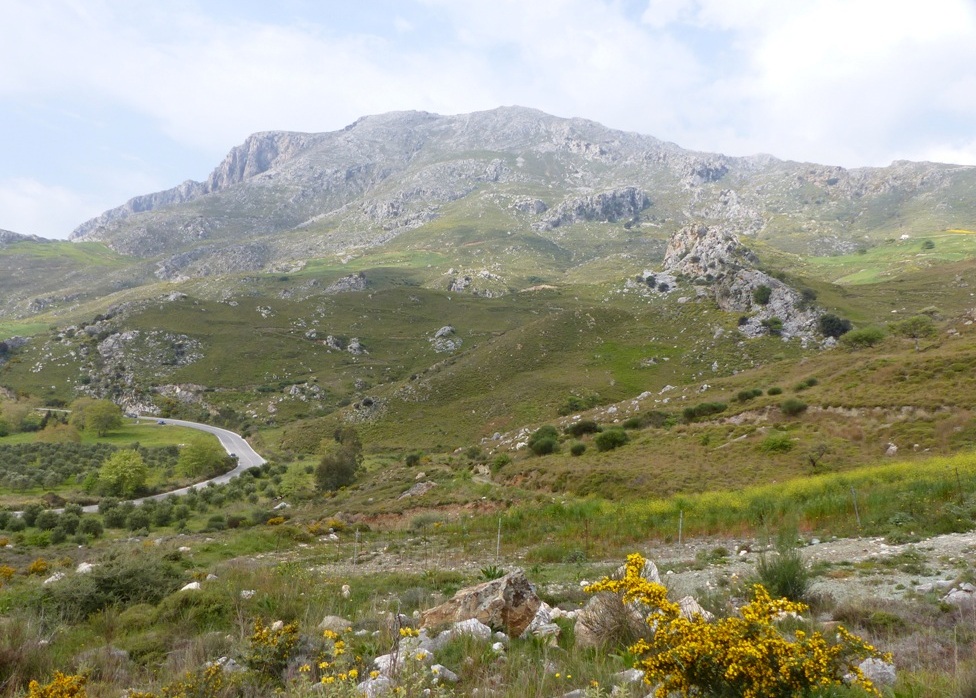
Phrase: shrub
[774,325]
[544,446]
[777,442]
[705,409]
[762,294]
[833,326]
[611,439]
[544,440]
[746,395]
[784,574]
[61,686]
[584,426]
[746,654]
[413,459]
[792,407]
[864,337]
[120,581]
[578,448]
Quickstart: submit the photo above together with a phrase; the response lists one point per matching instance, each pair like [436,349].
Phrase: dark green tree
[833,326]
[341,460]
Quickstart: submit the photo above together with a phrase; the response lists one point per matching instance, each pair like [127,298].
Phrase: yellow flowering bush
[742,656]
[61,686]
[269,649]
[39,566]
[6,573]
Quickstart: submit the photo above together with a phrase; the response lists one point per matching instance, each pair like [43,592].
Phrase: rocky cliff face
[300,195]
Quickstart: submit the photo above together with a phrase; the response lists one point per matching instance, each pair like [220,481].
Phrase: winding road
[234,444]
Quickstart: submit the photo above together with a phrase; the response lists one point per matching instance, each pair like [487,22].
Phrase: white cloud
[32,208]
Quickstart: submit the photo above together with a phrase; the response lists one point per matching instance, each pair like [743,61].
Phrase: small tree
[341,461]
[916,327]
[123,473]
[202,457]
[99,416]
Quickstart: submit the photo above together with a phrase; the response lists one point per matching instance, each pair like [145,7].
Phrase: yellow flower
[304,667]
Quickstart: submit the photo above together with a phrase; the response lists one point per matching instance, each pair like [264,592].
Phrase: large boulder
[508,603]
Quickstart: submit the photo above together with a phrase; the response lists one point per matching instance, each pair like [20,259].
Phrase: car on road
[161,423]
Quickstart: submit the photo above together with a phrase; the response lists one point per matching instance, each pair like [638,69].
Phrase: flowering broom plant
[748,655]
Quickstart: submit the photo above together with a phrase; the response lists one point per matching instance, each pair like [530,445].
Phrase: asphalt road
[234,444]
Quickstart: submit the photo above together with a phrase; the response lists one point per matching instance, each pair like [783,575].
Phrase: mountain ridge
[363,185]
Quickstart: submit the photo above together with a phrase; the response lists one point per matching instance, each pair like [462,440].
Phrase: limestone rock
[335,624]
[508,603]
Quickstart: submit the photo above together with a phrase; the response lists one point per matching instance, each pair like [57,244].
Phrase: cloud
[32,208]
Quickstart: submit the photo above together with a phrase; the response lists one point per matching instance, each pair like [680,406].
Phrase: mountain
[281,198]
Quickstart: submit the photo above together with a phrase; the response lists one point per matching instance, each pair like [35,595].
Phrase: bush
[746,395]
[773,325]
[862,338]
[584,426]
[775,390]
[833,326]
[578,448]
[544,440]
[705,409]
[132,578]
[544,446]
[762,294]
[744,654]
[784,574]
[792,407]
[611,439]
[777,442]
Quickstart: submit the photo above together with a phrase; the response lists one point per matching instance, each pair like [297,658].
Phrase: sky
[103,100]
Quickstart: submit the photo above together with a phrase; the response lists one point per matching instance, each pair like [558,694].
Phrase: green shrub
[774,325]
[705,409]
[746,395]
[762,294]
[864,337]
[205,609]
[578,448]
[777,442]
[784,574]
[775,390]
[135,577]
[611,439]
[584,426]
[544,446]
[544,440]
[833,326]
[792,407]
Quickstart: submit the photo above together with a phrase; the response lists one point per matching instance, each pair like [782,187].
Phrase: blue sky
[103,100]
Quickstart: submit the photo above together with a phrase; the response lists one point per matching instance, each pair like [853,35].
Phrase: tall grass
[905,498]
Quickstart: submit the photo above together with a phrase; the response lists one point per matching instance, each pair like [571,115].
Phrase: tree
[123,473]
[833,326]
[341,460]
[202,457]
[916,327]
[99,416]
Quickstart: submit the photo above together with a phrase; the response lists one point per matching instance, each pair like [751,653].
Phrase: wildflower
[305,668]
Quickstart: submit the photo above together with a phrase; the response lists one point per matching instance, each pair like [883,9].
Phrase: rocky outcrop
[621,204]
[508,603]
[713,256]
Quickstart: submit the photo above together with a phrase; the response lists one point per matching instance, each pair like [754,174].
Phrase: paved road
[234,444]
